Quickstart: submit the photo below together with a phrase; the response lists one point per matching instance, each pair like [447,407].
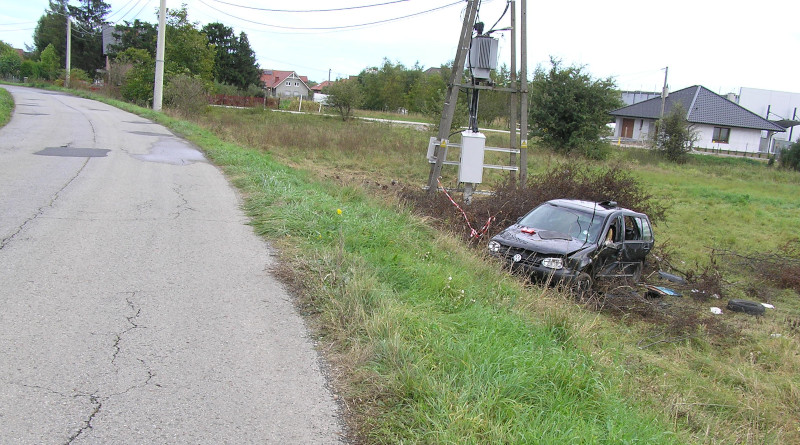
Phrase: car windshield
[575,223]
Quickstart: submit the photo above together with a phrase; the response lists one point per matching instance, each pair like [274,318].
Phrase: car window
[643,225]
[633,231]
[575,223]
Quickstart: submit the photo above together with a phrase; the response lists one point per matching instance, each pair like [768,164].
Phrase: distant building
[777,106]
[634,97]
[719,122]
[285,84]
[318,87]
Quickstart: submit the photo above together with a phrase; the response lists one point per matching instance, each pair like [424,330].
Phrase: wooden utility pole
[523,74]
[158,88]
[452,95]
[513,108]
[69,50]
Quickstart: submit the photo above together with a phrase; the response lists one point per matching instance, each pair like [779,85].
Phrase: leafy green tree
[387,87]
[87,41]
[10,61]
[569,109]
[29,69]
[51,29]
[134,71]
[136,34]
[187,50]
[426,93]
[790,157]
[344,95]
[48,64]
[674,135]
[247,68]
[234,61]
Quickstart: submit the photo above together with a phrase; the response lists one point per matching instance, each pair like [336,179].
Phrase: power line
[309,10]
[330,28]
[16,23]
[121,9]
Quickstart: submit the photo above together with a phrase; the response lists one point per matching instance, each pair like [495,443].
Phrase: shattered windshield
[575,223]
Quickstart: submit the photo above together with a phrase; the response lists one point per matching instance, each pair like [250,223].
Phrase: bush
[134,71]
[569,109]
[186,94]
[10,63]
[49,66]
[344,95]
[790,157]
[674,137]
[571,181]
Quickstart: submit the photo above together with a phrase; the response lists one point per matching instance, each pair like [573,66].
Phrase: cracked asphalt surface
[136,305]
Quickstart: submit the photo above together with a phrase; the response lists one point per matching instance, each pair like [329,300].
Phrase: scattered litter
[715,296]
[671,277]
[660,291]
[768,306]
[775,335]
[716,311]
[746,306]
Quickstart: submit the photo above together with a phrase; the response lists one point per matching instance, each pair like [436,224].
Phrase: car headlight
[494,246]
[553,263]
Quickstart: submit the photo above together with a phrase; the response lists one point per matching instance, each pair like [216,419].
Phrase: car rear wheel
[583,283]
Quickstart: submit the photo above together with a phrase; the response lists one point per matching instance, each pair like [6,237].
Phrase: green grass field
[6,106]
[431,342]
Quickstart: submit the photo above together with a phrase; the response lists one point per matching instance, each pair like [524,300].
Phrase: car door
[638,238]
[610,248]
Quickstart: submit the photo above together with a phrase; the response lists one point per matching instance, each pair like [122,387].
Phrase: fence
[244,101]
[744,154]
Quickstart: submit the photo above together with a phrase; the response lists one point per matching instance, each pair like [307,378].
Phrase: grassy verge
[6,106]
[433,344]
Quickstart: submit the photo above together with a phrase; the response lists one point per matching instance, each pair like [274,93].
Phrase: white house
[718,122]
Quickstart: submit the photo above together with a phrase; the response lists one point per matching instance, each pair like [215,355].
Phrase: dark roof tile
[703,107]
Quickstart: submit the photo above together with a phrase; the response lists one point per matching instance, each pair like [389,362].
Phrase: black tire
[583,284]
[746,306]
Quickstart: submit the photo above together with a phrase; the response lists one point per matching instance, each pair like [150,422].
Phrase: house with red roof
[318,87]
[285,84]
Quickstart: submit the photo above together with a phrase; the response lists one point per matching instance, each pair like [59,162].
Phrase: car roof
[599,208]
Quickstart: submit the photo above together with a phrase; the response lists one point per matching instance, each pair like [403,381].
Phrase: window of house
[288,83]
[721,135]
[297,84]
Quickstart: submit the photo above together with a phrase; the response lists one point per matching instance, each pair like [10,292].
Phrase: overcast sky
[721,45]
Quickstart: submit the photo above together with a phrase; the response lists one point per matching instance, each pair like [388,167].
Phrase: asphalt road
[136,305]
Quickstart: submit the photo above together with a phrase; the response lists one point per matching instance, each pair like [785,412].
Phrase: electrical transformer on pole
[479,55]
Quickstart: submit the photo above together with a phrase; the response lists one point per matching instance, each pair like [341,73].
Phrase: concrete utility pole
[664,92]
[158,88]
[513,109]
[69,50]
[452,95]
[523,73]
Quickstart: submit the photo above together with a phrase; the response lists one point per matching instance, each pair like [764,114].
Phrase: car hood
[540,241]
